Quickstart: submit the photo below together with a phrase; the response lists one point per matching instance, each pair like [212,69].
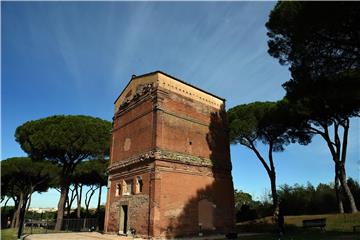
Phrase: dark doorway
[123,219]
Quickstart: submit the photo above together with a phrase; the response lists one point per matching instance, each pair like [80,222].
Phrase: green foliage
[268,122]
[254,210]
[321,43]
[300,200]
[50,215]
[248,209]
[315,38]
[64,139]
[7,213]
[245,121]
[355,189]
[326,99]
[91,172]
[22,174]
[294,200]
[242,198]
[92,213]
[8,210]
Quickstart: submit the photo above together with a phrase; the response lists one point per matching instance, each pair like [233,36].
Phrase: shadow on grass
[263,227]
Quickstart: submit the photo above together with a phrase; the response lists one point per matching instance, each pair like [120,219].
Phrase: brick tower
[170,168]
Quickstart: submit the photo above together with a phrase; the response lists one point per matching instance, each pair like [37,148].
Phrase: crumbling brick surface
[138,206]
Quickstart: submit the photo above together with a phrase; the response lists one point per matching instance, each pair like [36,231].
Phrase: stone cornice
[164,155]
[178,157]
[149,155]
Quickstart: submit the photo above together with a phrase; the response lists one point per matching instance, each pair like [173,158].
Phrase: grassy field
[306,236]
[11,233]
[338,227]
[334,222]
[8,234]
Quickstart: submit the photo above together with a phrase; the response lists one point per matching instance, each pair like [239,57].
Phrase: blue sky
[75,58]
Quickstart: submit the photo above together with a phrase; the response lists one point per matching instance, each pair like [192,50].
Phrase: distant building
[42,210]
[170,168]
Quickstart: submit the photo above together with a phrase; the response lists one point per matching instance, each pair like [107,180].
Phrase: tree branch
[272,167]
[345,140]
[262,160]
[337,139]
[316,131]
[330,144]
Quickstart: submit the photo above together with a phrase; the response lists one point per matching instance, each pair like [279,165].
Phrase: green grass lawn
[334,222]
[8,234]
[338,227]
[11,233]
[306,236]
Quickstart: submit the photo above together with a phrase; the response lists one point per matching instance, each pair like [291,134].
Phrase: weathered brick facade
[170,168]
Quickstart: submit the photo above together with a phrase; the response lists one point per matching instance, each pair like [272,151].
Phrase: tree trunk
[342,171]
[272,176]
[78,200]
[61,206]
[29,203]
[270,169]
[68,206]
[98,209]
[70,200]
[88,197]
[68,210]
[347,190]
[274,194]
[21,201]
[338,193]
[13,221]
[338,151]
[22,217]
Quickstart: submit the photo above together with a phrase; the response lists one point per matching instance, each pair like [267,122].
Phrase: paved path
[98,236]
[76,236]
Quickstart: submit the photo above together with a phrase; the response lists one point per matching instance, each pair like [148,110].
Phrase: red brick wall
[181,191]
[135,125]
[172,190]
[202,125]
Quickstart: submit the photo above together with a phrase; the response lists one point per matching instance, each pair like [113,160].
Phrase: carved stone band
[164,155]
